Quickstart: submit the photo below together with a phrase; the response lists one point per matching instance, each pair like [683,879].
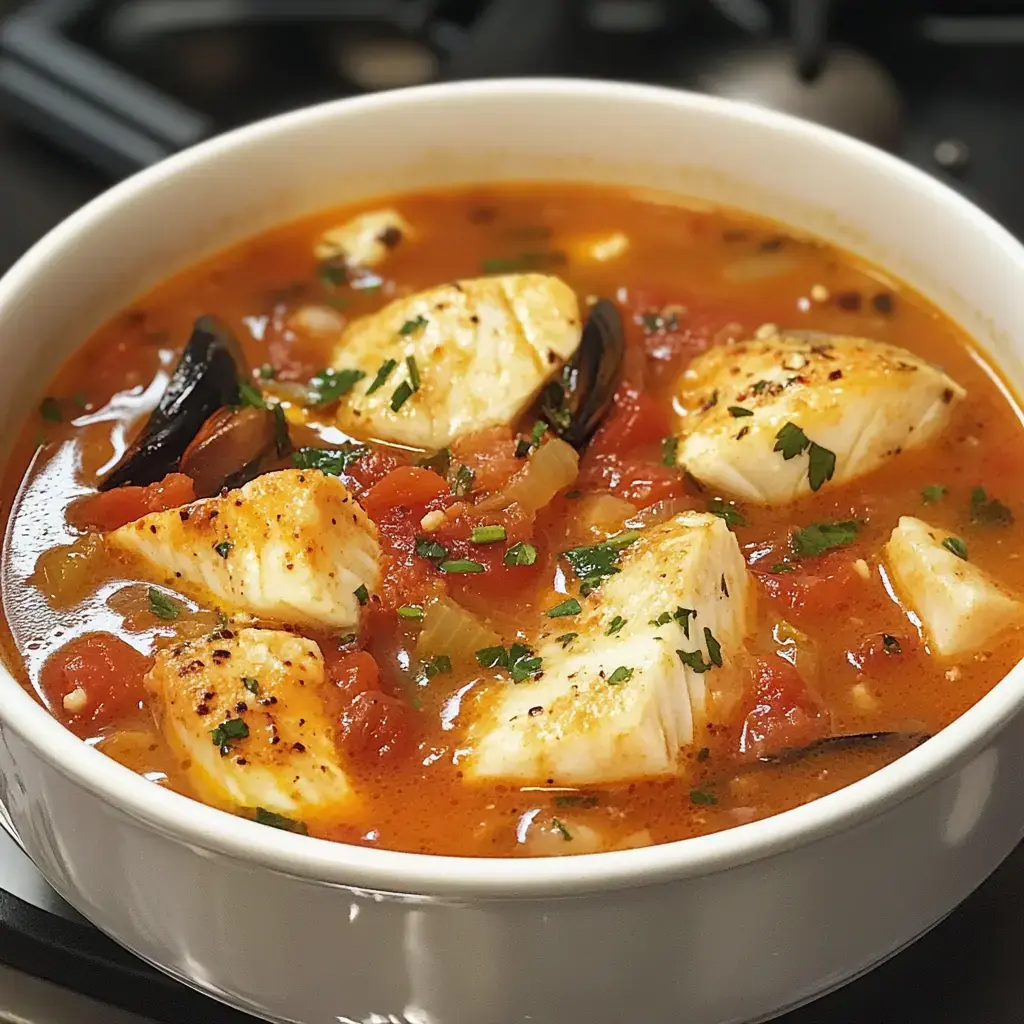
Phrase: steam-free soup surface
[831,643]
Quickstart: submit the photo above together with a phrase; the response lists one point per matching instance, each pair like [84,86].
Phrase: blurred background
[93,90]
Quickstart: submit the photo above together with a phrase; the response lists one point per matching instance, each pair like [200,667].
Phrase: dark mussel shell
[858,739]
[205,379]
[575,405]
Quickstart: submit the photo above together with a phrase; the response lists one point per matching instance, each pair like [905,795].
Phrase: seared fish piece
[243,712]
[291,546]
[365,240]
[957,606]
[457,358]
[860,401]
[620,700]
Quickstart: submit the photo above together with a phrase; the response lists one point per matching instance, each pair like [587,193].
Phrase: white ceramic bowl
[726,928]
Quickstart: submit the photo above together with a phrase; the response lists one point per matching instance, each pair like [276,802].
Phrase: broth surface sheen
[685,277]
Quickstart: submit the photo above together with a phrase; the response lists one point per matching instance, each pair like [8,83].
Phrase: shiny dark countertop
[966,971]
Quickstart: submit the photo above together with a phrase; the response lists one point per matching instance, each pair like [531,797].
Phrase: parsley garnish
[821,463]
[957,546]
[620,675]
[988,511]
[816,538]
[566,834]
[492,657]
[487,534]
[616,624]
[413,325]
[714,648]
[265,817]
[414,372]
[49,409]
[266,372]
[704,753]
[462,482]
[162,606]
[782,567]
[599,561]
[362,594]
[231,729]
[932,494]
[758,386]
[702,796]
[570,606]
[524,446]
[252,685]
[330,385]
[518,658]
[669,450]
[460,565]
[410,611]
[695,659]
[439,665]
[332,461]
[347,638]
[575,800]
[382,375]
[737,411]
[427,547]
[400,395]
[565,639]
[520,553]
[249,394]
[727,511]
[223,548]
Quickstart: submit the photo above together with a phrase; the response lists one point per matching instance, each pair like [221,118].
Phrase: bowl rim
[218,832]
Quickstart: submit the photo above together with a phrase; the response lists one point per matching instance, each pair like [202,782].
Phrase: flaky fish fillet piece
[365,240]
[862,401]
[457,358]
[243,712]
[958,606]
[291,546]
[619,701]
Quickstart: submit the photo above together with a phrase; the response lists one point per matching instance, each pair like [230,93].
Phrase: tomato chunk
[825,586]
[375,725]
[94,681]
[406,486]
[635,419]
[352,672]
[782,715]
[122,505]
[490,455]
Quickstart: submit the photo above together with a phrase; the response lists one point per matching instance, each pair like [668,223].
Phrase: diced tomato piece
[375,725]
[113,509]
[406,486]
[782,714]
[364,473]
[635,419]
[93,681]
[637,480]
[352,672]
[490,454]
[826,586]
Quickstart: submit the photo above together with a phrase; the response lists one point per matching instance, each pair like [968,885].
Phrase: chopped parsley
[576,800]
[957,546]
[162,606]
[249,394]
[49,409]
[714,648]
[702,796]
[518,658]
[329,385]
[492,657]
[816,538]
[414,372]
[332,461]
[694,660]
[681,615]
[410,611]
[267,372]
[759,385]
[400,395]
[383,373]
[565,639]
[727,511]
[890,645]
[616,624]
[487,534]
[986,511]
[737,411]
[782,567]
[460,565]
[791,441]
[669,450]
[223,548]
[462,482]
[413,325]
[566,834]
[520,553]
[347,638]
[599,561]
[440,462]
[427,547]
[933,494]
[229,730]
[436,666]
[274,820]
[522,261]
[620,675]
[362,594]
[704,753]
[252,685]
[570,606]
[524,446]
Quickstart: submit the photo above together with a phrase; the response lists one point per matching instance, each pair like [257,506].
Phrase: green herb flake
[462,482]
[669,450]
[736,411]
[727,511]
[615,626]
[267,372]
[957,546]
[329,385]
[414,372]
[332,275]
[274,820]
[595,563]
[332,461]
[362,594]
[460,565]
[566,834]
[782,567]
[565,639]
[620,675]
[251,395]
[229,730]
[816,538]
[576,800]
[436,666]
[162,606]
[520,553]
[702,796]
[346,639]
[662,620]
[427,547]
[400,395]
[694,660]
[411,326]
[383,373]
[49,409]
[522,662]
[492,657]
[410,611]
[791,441]
[223,548]
[933,494]
[986,511]
[440,462]
[252,685]
[704,753]
[568,607]
[487,534]
[714,648]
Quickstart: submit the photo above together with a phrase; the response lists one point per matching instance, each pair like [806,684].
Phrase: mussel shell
[851,740]
[575,406]
[205,379]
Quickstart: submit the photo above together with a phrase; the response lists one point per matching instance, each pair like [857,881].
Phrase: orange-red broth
[713,273]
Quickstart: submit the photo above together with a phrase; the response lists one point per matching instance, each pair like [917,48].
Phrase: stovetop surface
[955,68]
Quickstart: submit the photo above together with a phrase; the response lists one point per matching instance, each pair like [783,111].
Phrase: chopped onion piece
[759,268]
[449,629]
[658,513]
[550,469]
[603,513]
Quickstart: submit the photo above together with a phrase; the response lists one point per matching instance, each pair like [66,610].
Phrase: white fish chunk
[479,351]
[243,712]
[618,702]
[958,606]
[291,546]
[863,401]
[365,240]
